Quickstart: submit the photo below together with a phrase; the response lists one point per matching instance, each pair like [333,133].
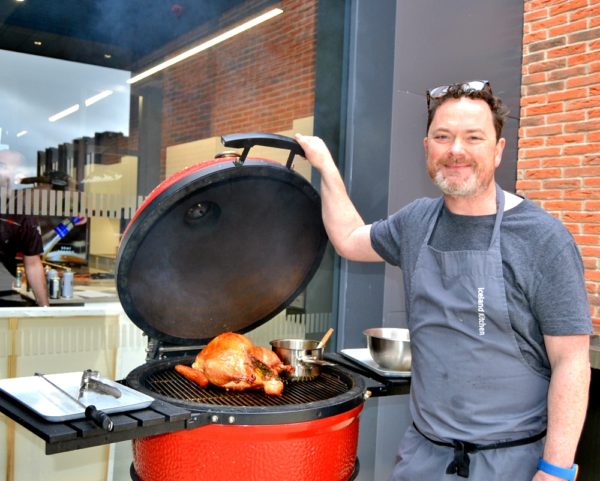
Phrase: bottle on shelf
[53,237]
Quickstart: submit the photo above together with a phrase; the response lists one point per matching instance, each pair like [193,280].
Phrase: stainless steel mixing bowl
[390,347]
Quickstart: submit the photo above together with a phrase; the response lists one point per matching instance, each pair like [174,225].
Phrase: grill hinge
[160,350]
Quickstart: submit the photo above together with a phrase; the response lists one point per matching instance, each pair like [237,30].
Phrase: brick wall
[559,135]
[258,81]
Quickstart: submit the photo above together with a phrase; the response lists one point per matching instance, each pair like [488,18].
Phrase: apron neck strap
[497,222]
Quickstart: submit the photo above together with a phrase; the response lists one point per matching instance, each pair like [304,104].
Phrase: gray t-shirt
[543,270]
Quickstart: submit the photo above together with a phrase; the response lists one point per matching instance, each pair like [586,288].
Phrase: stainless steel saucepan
[303,354]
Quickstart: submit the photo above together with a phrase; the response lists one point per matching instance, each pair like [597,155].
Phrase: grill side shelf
[377,385]
[159,418]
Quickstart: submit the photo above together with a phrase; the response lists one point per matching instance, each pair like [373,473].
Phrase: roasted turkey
[231,361]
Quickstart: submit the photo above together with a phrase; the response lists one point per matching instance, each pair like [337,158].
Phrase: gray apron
[470,382]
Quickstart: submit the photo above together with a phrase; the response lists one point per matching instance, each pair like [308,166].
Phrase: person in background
[20,234]
[496,305]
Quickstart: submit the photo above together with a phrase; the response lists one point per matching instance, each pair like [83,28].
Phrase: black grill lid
[221,246]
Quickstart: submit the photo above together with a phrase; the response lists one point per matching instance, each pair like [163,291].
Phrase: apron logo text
[481,310]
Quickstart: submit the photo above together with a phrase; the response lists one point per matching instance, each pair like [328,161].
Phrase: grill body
[310,433]
[319,450]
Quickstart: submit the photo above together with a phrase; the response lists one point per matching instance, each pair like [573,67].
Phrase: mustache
[454,161]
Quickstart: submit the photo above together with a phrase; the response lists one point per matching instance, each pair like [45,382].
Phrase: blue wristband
[570,474]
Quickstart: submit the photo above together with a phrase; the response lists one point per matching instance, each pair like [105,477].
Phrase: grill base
[321,450]
[134,476]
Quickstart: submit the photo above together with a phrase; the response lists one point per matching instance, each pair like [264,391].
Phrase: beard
[458,188]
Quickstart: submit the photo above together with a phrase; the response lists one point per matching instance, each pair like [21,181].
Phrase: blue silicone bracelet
[570,474]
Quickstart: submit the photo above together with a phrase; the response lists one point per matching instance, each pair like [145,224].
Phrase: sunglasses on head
[467,87]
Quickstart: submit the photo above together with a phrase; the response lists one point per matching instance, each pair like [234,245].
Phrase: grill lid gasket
[335,391]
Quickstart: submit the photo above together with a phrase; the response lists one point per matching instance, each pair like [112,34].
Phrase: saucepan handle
[248,140]
[317,362]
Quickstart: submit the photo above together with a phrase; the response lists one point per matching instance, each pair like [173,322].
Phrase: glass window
[103,101]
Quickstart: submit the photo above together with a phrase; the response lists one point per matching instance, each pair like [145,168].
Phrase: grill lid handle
[248,140]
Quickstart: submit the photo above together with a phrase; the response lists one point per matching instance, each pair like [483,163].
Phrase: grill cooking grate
[171,384]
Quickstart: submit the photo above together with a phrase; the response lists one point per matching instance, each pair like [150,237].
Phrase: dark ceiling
[111,33]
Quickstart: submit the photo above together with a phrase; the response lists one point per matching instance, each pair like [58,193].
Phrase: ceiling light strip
[64,113]
[206,45]
[98,97]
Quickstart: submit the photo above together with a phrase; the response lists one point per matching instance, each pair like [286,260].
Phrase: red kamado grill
[224,246]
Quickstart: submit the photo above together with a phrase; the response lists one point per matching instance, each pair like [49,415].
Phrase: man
[496,305]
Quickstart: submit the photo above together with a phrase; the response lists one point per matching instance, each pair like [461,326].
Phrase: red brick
[565,139]
[590,251]
[563,7]
[526,164]
[533,78]
[531,122]
[544,195]
[528,185]
[582,217]
[562,161]
[548,22]
[574,229]
[544,109]
[589,240]
[581,149]
[552,65]
[586,12]
[583,58]
[534,15]
[566,51]
[535,37]
[544,130]
[568,28]
[591,182]
[567,94]
[530,99]
[561,184]
[595,274]
[581,104]
[537,153]
[567,73]
[533,5]
[589,171]
[529,58]
[565,117]
[532,142]
[583,80]
[561,205]
[591,126]
[547,45]
[583,194]
[542,173]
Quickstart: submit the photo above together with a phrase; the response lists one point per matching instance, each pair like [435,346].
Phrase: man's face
[461,149]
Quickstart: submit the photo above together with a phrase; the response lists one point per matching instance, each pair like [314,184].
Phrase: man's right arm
[36,277]
[347,231]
